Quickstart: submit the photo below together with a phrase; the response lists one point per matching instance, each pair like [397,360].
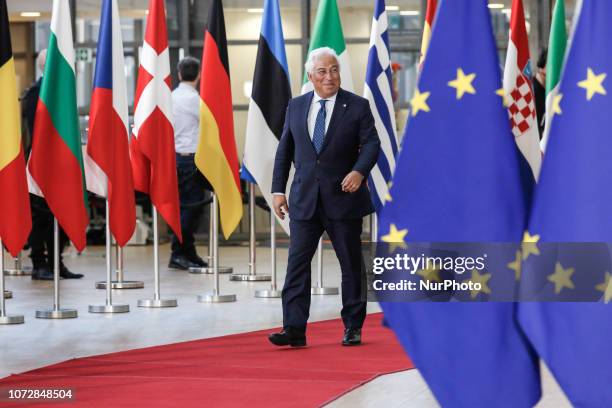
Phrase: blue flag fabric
[573,203]
[378,90]
[458,179]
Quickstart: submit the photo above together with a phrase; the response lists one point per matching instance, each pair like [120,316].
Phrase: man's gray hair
[318,53]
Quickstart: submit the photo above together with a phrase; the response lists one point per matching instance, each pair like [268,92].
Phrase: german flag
[216,156]
[15,218]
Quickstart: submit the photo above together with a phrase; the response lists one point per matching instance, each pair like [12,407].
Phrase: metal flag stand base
[18,269]
[4,318]
[108,307]
[157,301]
[215,296]
[56,312]
[120,283]
[208,270]
[273,292]
[251,276]
[320,289]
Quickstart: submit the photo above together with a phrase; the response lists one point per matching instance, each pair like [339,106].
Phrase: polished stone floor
[40,342]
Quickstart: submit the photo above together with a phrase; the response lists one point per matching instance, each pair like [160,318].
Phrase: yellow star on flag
[429,274]
[463,83]
[388,195]
[562,278]
[395,238]
[556,104]
[529,246]
[419,102]
[606,287]
[593,84]
[505,99]
[482,279]
[516,266]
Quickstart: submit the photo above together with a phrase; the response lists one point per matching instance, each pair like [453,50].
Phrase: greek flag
[377,90]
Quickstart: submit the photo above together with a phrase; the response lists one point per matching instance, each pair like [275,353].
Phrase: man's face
[325,76]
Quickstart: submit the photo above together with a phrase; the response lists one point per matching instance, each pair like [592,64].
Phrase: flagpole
[320,289]
[4,318]
[56,312]
[215,296]
[157,301]
[119,283]
[273,292]
[208,270]
[108,307]
[374,227]
[251,276]
[18,269]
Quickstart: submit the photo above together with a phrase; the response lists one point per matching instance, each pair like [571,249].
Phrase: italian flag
[557,44]
[56,163]
[327,32]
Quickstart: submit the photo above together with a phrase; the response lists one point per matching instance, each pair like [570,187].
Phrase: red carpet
[231,371]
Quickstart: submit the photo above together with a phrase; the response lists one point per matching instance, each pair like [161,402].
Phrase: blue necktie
[319,129]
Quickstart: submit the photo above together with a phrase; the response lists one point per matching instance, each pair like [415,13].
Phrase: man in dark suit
[329,135]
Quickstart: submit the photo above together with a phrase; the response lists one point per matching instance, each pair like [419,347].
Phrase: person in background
[192,184]
[41,237]
[539,90]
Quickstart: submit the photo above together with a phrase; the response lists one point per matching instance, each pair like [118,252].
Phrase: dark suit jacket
[351,143]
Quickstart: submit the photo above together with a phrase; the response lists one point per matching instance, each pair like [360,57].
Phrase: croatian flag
[518,91]
[107,162]
[377,90]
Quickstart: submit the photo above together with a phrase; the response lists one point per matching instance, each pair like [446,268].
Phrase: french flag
[107,162]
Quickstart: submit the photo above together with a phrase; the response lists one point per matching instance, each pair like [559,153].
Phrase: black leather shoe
[42,273]
[66,274]
[288,338]
[352,337]
[181,263]
[197,260]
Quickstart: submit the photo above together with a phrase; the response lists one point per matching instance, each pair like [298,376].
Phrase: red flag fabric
[152,147]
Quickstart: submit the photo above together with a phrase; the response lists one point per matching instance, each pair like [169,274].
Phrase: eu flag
[458,179]
[573,203]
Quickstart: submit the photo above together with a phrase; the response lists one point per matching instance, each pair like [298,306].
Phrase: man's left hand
[352,182]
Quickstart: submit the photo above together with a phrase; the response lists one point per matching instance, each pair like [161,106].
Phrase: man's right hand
[281,208]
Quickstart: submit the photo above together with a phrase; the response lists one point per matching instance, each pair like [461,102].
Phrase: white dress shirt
[315,107]
[186,111]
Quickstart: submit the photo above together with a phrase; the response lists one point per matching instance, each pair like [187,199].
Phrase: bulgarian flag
[557,43]
[518,91]
[327,32]
[15,218]
[429,18]
[56,162]
[217,157]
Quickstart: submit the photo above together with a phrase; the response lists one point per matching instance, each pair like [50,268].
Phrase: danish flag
[152,146]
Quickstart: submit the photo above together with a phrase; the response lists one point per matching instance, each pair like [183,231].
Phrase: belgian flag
[216,156]
[15,218]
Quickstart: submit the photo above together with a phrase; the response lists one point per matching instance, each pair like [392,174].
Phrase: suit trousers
[192,195]
[41,237]
[345,236]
